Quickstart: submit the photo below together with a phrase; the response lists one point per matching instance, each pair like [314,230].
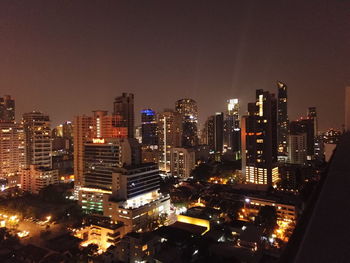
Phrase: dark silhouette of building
[215,132]
[282,118]
[149,127]
[259,140]
[305,126]
[7,109]
[124,107]
[189,113]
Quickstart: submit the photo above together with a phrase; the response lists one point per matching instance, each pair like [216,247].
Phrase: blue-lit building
[149,127]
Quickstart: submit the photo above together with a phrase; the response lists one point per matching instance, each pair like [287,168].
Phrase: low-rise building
[36,178]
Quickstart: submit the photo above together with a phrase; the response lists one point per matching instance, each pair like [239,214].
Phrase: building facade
[282,118]
[189,113]
[183,161]
[7,109]
[124,107]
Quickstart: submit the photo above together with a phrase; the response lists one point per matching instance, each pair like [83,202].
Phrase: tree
[90,250]
[267,218]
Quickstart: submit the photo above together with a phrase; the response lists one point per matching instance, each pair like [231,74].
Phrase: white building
[182,161]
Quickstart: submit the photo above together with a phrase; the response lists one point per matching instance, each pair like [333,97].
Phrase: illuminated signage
[98,140]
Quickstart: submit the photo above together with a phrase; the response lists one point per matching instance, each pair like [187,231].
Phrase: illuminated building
[215,132]
[282,118]
[137,247]
[62,138]
[149,155]
[259,140]
[232,128]
[124,107]
[100,125]
[91,199]
[305,126]
[169,135]
[101,158]
[182,162]
[35,178]
[12,149]
[149,127]
[297,148]
[82,130]
[7,109]
[102,234]
[189,113]
[135,198]
[38,139]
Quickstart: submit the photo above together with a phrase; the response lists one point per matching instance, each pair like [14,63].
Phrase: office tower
[182,162]
[135,199]
[149,127]
[82,130]
[101,159]
[169,132]
[189,113]
[124,107]
[232,128]
[215,132]
[347,108]
[12,149]
[259,140]
[38,139]
[7,109]
[62,138]
[305,126]
[282,118]
[297,144]
[99,126]
[312,114]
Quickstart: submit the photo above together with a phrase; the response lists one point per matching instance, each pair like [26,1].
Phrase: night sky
[71,57]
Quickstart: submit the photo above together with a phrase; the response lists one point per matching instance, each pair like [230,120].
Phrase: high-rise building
[149,127]
[12,149]
[259,140]
[135,199]
[232,127]
[82,130]
[312,114]
[297,144]
[7,109]
[183,161]
[38,139]
[124,107]
[169,135]
[305,126]
[86,128]
[282,118]
[189,113]
[102,157]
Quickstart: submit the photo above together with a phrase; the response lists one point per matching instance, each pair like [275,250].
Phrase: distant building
[297,144]
[305,126]
[124,107]
[149,127]
[189,113]
[215,132]
[38,139]
[259,140]
[232,127]
[182,162]
[35,178]
[169,135]
[12,149]
[282,118]
[7,109]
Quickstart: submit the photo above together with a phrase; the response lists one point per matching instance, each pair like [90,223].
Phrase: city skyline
[69,59]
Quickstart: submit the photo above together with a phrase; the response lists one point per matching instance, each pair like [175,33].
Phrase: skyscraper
[12,149]
[215,132]
[232,127]
[149,127]
[259,140]
[297,146]
[38,139]
[169,136]
[305,126]
[282,118]
[7,109]
[124,107]
[312,114]
[189,113]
